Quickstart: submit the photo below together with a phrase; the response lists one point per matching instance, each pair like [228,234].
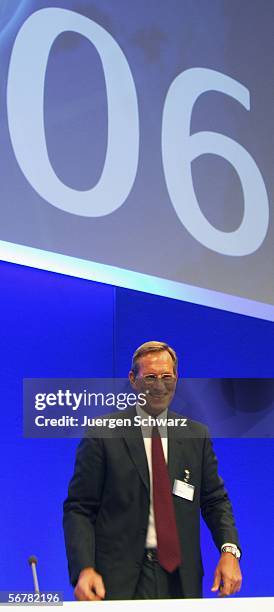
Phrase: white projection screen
[137,145]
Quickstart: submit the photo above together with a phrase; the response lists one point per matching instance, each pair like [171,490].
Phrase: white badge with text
[183,489]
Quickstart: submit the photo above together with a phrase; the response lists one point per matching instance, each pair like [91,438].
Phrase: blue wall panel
[210,342]
[51,326]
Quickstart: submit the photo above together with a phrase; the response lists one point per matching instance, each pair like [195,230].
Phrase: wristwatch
[233,549]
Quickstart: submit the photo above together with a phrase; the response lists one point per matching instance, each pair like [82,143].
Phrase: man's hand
[90,586]
[227,577]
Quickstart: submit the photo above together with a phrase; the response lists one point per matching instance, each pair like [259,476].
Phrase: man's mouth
[154,396]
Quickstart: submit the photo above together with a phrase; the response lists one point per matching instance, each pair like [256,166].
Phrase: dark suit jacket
[106,511]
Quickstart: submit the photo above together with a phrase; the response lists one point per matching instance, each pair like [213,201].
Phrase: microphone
[33,562]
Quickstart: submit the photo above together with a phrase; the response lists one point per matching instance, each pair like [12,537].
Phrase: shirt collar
[146,429]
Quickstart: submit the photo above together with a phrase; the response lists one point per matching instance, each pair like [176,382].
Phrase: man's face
[155,378]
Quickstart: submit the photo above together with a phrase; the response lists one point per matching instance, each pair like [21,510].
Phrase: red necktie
[168,544]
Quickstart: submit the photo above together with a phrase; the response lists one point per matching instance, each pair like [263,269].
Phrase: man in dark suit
[132,515]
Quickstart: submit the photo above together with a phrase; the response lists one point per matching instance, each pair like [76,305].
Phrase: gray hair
[152,347]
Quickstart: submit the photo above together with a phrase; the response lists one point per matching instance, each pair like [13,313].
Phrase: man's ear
[132,379]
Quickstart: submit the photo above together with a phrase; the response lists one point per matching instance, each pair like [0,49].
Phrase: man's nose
[159,383]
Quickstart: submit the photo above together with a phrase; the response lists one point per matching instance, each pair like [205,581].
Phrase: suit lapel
[180,448]
[174,453]
[135,444]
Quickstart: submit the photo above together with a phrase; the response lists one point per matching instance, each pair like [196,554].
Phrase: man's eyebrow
[157,373]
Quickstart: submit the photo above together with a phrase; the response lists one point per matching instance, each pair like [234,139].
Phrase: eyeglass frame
[156,377]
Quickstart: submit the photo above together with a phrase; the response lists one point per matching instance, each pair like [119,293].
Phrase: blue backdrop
[53,325]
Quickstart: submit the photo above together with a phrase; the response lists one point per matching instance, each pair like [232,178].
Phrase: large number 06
[179,148]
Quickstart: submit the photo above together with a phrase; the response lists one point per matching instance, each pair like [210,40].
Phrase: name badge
[183,489]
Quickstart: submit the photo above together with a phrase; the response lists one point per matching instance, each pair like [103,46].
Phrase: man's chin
[155,408]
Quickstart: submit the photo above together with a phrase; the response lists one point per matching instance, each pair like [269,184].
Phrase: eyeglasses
[151,379]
